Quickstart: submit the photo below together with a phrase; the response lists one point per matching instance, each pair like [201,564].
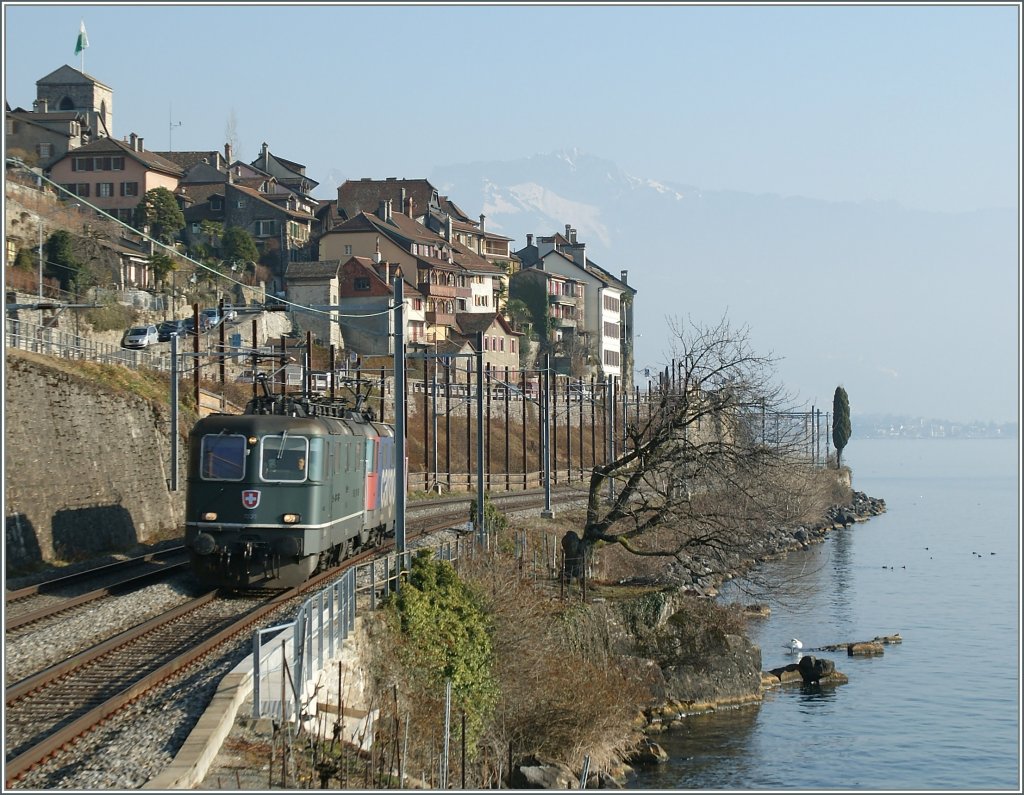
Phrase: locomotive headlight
[252,441]
[291,518]
[210,516]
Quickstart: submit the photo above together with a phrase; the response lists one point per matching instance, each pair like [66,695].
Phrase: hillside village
[334,263]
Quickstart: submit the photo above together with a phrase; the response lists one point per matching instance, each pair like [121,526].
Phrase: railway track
[49,710]
[45,600]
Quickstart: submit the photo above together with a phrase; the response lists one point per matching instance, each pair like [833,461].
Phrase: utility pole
[40,257]
[545,431]
[174,412]
[479,438]
[399,418]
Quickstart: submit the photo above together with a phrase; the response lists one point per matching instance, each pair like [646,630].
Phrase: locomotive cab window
[315,462]
[284,458]
[223,457]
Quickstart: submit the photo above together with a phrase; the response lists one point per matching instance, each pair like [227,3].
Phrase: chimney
[384,210]
[483,223]
[529,240]
[132,138]
[449,231]
[140,149]
[579,255]
[376,254]
[572,236]
[408,204]
[568,233]
[227,152]
[42,105]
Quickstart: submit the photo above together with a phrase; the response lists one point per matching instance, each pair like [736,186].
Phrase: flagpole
[82,43]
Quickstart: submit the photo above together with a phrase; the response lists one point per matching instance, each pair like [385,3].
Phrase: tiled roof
[204,173]
[472,261]
[151,160]
[319,270]
[68,74]
[201,192]
[188,160]
[365,195]
[368,265]
[455,211]
[473,322]
[255,194]
[42,118]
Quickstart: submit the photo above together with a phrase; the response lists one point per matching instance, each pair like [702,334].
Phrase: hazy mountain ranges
[905,308]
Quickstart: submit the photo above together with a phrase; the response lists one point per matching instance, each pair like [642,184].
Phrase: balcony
[440,318]
[443,290]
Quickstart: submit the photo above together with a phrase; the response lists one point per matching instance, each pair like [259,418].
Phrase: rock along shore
[732,676]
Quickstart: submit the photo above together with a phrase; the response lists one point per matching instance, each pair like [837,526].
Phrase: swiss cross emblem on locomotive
[250,498]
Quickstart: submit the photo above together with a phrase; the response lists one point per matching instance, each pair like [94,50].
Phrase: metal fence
[288,658]
[53,342]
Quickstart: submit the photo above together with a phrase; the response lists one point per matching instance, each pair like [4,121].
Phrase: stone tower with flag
[68,89]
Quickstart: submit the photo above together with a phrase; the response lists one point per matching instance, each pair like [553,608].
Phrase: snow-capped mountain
[907,309]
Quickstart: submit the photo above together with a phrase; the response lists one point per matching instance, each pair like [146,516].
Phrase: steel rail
[32,616]
[88,574]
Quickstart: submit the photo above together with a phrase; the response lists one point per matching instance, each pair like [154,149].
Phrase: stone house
[70,110]
[352,304]
[288,173]
[316,285]
[500,343]
[40,138]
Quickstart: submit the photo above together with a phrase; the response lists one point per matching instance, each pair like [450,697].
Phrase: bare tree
[703,473]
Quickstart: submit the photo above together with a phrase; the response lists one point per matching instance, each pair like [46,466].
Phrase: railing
[288,658]
[54,342]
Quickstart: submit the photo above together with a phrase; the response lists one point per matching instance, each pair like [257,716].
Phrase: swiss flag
[250,498]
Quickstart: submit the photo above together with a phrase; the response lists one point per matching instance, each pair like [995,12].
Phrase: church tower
[68,89]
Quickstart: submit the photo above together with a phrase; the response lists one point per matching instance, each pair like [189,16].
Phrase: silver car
[140,337]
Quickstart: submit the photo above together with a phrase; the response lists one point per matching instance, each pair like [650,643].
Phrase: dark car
[190,326]
[170,328]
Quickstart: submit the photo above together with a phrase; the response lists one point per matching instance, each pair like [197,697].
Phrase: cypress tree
[840,422]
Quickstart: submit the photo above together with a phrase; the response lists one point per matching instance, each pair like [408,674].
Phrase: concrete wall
[86,470]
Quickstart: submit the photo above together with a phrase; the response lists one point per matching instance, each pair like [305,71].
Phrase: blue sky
[916,104]
[913,105]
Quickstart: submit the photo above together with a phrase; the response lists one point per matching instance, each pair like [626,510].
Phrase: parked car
[170,328]
[230,313]
[247,376]
[190,326]
[212,316]
[140,337]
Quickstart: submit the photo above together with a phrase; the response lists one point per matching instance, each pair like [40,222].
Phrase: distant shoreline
[952,437]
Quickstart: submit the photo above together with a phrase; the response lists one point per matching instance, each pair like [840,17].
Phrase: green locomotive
[285,489]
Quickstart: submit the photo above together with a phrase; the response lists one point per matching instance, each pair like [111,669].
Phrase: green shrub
[494,519]
[440,632]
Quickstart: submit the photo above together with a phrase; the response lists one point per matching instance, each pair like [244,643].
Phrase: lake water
[941,711]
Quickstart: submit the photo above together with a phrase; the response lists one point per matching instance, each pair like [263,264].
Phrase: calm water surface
[942,710]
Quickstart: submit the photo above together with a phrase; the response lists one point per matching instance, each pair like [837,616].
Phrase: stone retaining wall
[86,470]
